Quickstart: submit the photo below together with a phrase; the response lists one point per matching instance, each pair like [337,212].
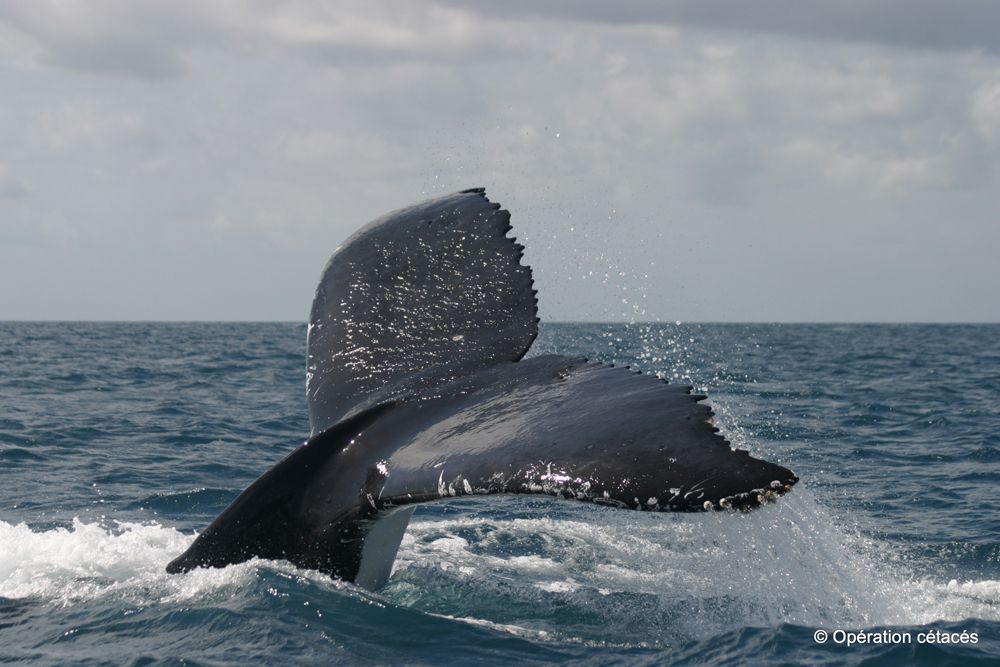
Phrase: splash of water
[675,576]
[127,561]
[625,575]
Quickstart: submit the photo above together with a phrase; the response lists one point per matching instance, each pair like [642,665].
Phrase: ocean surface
[118,441]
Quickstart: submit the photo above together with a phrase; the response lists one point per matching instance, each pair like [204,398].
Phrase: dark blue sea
[119,441]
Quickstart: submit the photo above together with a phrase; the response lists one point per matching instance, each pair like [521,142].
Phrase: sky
[781,160]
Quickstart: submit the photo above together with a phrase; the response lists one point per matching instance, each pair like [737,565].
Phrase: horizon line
[542,323]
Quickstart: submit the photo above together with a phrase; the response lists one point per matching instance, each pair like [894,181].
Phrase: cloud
[73,123]
[986,111]
[157,40]
[919,24]
[116,37]
[368,34]
[11,187]
[741,173]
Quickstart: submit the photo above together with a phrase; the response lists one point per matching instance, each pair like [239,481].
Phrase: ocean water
[118,441]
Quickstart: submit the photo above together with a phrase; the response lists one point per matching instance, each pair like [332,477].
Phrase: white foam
[704,573]
[87,561]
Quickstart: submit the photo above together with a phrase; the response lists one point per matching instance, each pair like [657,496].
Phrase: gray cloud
[653,172]
[157,40]
[135,40]
[921,24]
[11,187]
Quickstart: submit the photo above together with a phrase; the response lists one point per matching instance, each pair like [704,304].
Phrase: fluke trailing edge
[417,392]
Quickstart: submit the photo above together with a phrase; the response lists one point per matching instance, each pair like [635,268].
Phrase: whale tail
[415,396]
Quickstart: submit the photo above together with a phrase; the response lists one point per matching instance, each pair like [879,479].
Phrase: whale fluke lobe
[418,392]
[423,294]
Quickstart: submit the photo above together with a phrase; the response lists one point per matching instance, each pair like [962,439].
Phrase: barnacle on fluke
[417,392]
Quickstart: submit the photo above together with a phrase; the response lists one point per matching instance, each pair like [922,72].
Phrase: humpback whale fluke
[417,392]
